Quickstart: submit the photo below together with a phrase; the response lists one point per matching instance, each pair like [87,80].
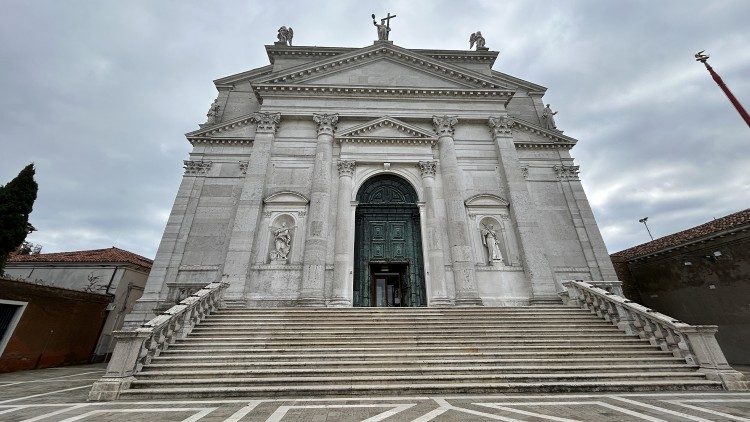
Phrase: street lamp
[643,220]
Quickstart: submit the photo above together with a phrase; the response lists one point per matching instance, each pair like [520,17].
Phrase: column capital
[444,124]
[346,168]
[326,122]
[267,122]
[427,168]
[500,125]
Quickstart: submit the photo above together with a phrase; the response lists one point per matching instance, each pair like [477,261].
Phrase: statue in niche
[549,119]
[213,112]
[478,39]
[384,28]
[282,242]
[492,243]
[285,36]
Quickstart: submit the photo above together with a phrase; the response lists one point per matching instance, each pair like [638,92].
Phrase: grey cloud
[98,94]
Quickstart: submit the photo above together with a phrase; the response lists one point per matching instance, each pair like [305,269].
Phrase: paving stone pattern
[59,394]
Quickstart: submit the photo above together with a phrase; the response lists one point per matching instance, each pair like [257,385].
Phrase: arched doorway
[388,269]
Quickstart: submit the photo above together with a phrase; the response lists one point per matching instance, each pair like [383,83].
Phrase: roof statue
[213,112]
[285,36]
[384,27]
[549,118]
[478,39]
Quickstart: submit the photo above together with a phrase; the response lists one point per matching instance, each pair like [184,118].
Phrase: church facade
[377,176]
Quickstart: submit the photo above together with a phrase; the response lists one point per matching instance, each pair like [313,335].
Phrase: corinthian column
[524,213]
[464,274]
[342,250]
[249,206]
[438,289]
[316,241]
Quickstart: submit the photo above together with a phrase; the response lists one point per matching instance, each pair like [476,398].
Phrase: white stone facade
[292,142]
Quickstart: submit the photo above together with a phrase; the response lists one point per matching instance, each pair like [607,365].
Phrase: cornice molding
[221,127]
[274,51]
[199,140]
[409,57]
[412,134]
[270,90]
[558,139]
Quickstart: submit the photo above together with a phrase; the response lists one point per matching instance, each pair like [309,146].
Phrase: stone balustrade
[136,348]
[695,343]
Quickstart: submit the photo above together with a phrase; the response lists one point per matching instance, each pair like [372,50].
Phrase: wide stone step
[209,347]
[395,332]
[289,356]
[241,363]
[413,342]
[401,315]
[464,370]
[412,388]
[369,379]
[502,322]
[416,337]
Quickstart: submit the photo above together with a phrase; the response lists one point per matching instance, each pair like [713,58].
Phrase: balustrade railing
[695,343]
[136,348]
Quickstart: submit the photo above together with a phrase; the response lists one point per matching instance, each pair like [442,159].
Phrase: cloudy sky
[99,94]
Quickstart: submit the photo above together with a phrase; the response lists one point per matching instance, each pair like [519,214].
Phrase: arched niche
[279,208]
[489,209]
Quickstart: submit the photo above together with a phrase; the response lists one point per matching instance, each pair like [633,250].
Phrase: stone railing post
[342,251]
[695,343]
[134,349]
[464,271]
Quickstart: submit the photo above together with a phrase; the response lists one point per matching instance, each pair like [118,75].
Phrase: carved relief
[427,168]
[243,166]
[525,171]
[444,124]
[346,168]
[326,122]
[565,172]
[500,125]
[267,122]
[196,168]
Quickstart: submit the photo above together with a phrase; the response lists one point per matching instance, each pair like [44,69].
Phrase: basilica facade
[377,176]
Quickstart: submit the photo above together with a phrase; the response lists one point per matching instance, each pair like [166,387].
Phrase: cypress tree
[16,202]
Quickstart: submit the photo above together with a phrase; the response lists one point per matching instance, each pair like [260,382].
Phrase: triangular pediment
[361,67]
[386,129]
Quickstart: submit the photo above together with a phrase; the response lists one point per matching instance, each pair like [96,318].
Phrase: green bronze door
[388,244]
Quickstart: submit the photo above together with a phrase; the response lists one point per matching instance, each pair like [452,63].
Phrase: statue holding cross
[384,27]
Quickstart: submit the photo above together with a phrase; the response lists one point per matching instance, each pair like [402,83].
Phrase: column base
[440,302]
[340,302]
[311,302]
[469,301]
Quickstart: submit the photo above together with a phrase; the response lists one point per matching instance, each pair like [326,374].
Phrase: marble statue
[492,243]
[213,112]
[549,119]
[282,241]
[285,36]
[478,39]
[384,27]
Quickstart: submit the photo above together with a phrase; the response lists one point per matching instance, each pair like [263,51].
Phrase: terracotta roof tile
[719,225]
[95,255]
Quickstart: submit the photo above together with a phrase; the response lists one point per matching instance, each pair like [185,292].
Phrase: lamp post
[643,220]
[703,58]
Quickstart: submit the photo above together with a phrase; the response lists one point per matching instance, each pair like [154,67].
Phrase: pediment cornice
[275,51]
[557,139]
[208,131]
[378,51]
[401,132]
[265,90]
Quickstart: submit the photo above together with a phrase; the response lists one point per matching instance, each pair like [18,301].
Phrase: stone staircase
[374,351]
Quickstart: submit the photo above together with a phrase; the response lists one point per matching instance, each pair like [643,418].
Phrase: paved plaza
[59,394]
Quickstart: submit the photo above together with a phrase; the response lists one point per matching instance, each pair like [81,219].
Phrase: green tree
[16,202]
